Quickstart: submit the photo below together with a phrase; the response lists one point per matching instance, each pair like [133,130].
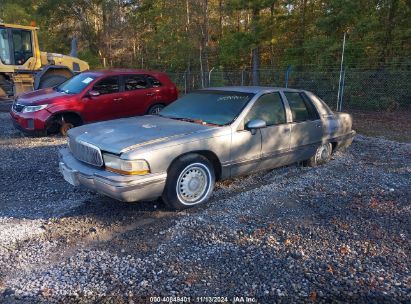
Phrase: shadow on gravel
[101,207]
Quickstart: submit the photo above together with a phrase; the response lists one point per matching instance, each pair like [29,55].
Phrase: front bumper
[30,123]
[119,187]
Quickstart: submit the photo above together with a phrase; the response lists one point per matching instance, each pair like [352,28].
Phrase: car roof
[252,89]
[117,71]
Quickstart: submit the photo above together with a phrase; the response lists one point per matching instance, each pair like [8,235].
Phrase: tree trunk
[302,33]
[206,41]
[255,54]
[390,24]
[220,8]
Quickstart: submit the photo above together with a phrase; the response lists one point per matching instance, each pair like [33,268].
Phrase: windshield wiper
[198,121]
[60,90]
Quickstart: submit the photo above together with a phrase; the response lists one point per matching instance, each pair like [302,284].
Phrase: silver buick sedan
[205,136]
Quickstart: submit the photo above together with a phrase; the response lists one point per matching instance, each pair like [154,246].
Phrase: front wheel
[65,127]
[190,182]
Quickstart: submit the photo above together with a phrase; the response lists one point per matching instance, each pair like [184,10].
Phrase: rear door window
[108,85]
[301,108]
[154,81]
[136,82]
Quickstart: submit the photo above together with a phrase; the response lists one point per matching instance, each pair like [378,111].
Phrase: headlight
[127,167]
[30,109]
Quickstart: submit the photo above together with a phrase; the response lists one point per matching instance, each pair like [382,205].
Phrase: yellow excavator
[23,67]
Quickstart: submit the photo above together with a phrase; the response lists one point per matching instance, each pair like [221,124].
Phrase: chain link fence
[361,89]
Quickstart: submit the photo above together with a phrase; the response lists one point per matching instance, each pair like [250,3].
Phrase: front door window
[22,46]
[108,85]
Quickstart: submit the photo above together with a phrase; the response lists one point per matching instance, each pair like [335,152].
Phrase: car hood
[40,97]
[121,135]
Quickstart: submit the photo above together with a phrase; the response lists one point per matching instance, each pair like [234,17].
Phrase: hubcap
[323,154]
[193,183]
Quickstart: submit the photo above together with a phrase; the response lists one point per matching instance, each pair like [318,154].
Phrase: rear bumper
[119,187]
[345,141]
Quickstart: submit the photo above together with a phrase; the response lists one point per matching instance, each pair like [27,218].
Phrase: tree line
[196,35]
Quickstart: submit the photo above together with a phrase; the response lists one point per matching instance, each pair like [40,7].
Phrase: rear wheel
[190,182]
[52,81]
[321,156]
[155,109]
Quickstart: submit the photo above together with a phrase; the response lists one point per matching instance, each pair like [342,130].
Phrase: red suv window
[136,82]
[108,85]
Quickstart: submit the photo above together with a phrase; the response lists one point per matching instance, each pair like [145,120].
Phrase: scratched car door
[306,126]
[276,136]
[245,151]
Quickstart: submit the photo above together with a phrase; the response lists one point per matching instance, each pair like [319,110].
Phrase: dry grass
[390,125]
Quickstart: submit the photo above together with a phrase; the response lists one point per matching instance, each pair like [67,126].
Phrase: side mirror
[256,124]
[93,93]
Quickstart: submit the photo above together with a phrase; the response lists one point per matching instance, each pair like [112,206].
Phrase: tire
[52,81]
[62,123]
[65,127]
[190,182]
[322,155]
[155,109]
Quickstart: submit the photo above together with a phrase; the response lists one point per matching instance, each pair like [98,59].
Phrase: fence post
[209,76]
[341,71]
[287,74]
[185,82]
[242,77]
[342,91]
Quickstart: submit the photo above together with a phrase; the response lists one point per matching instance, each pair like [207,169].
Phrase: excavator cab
[16,46]
[23,67]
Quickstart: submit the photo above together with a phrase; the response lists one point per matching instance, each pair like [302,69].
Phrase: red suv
[92,96]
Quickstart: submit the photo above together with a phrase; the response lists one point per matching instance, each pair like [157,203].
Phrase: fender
[62,112]
[54,111]
[47,68]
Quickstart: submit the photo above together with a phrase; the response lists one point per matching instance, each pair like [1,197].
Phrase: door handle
[318,126]
[118,99]
[150,94]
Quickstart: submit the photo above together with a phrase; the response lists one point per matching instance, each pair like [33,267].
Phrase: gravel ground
[337,232]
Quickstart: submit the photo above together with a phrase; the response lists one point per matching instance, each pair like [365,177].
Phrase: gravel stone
[338,232]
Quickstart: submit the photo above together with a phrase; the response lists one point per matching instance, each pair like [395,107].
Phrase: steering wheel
[19,57]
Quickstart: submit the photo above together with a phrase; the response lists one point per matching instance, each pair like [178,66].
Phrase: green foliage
[20,11]
[92,59]
[197,35]
[234,48]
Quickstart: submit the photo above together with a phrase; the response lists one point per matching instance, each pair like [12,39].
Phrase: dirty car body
[211,134]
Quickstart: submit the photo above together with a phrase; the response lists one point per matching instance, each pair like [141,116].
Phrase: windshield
[212,107]
[76,84]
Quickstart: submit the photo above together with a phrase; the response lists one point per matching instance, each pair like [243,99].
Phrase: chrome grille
[86,152]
